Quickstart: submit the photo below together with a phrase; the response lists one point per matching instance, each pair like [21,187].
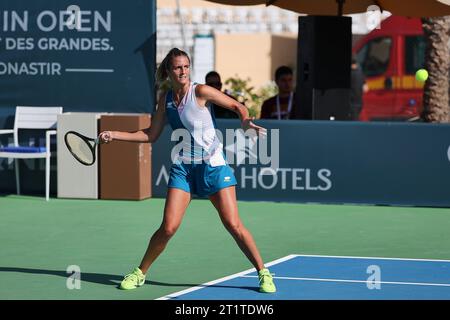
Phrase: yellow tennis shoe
[266,284]
[133,280]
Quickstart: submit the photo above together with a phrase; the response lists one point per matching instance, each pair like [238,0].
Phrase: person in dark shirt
[358,86]
[282,105]
[212,79]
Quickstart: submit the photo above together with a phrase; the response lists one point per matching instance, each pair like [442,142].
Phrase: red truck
[389,57]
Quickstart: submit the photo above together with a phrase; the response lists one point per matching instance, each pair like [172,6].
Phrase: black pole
[340,7]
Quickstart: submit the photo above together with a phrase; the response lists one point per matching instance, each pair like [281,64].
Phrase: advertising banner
[83,55]
[331,162]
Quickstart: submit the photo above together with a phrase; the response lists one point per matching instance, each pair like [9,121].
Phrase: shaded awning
[408,8]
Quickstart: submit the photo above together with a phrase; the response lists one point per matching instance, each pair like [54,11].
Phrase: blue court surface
[307,277]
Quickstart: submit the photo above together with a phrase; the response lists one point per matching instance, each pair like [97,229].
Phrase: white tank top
[200,124]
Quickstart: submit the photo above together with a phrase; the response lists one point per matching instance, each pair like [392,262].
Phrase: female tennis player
[200,170]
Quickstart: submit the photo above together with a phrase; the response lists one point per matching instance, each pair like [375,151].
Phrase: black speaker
[323,67]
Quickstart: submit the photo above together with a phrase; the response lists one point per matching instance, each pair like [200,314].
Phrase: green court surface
[39,240]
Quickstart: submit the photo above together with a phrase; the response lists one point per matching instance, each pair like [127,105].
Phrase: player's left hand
[248,124]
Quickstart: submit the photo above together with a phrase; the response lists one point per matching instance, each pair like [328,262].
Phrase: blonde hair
[162,72]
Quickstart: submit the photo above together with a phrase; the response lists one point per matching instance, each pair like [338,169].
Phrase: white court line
[378,258]
[360,281]
[236,275]
[88,70]
[291,256]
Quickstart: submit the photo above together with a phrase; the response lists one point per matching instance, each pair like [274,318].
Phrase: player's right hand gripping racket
[81,147]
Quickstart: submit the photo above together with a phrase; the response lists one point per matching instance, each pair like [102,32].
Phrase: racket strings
[80,148]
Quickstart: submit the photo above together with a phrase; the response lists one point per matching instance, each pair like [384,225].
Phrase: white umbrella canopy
[408,8]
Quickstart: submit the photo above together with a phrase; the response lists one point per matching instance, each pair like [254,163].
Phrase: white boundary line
[291,256]
[236,275]
[377,258]
[360,281]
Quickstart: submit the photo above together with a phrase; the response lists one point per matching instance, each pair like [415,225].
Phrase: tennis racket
[81,147]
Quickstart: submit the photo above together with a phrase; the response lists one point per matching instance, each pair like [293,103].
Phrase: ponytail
[162,73]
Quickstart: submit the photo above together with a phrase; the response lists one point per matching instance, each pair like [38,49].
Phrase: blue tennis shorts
[201,179]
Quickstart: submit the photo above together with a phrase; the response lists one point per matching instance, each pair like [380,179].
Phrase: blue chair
[32,118]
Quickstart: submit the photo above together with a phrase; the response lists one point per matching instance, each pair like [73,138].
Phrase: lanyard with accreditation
[289,106]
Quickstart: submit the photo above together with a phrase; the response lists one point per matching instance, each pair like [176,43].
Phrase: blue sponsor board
[333,162]
[82,55]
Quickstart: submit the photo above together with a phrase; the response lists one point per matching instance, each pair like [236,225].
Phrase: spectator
[282,105]
[358,86]
[212,79]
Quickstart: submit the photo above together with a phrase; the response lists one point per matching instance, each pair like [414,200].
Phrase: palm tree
[437,62]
